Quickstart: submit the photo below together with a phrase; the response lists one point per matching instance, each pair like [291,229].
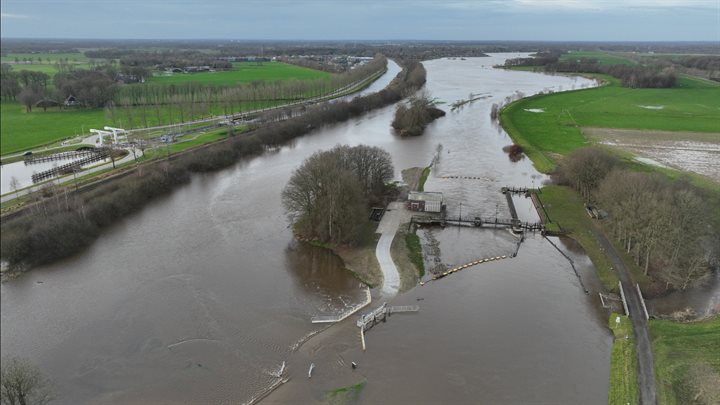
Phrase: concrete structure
[425,201]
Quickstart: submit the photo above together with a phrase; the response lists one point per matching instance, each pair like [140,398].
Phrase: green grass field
[78,60]
[623,363]
[694,105]
[245,72]
[687,361]
[603,58]
[20,130]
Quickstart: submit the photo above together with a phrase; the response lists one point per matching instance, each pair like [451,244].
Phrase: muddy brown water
[202,294]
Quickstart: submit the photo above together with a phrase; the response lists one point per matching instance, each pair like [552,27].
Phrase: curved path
[646,372]
[387,228]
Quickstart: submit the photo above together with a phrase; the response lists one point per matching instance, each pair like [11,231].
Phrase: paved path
[387,228]
[646,372]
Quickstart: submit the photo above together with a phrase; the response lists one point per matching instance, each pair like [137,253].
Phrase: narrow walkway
[387,228]
[646,373]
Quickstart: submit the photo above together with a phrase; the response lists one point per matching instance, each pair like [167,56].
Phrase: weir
[345,314]
[479,222]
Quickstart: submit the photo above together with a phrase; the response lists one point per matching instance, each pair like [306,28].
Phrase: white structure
[425,201]
[101,134]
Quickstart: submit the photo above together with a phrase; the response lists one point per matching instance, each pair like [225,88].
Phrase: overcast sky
[582,20]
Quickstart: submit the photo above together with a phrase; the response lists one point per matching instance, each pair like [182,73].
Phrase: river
[202,294]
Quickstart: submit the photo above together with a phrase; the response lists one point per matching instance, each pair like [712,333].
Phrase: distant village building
[71,101]
[124,78]
[195,69]
[425,201]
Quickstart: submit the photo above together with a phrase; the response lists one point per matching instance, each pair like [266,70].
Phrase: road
[646,372]
[387,229]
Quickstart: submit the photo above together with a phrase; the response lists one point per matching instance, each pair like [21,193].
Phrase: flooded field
[23,172]
[690,151]
[201,296]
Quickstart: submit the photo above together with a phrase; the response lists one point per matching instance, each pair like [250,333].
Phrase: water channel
[201,295]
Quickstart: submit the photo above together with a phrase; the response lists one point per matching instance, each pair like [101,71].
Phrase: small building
[425,201]
[71,101]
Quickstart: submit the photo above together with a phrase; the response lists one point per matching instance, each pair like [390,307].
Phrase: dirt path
[646,372]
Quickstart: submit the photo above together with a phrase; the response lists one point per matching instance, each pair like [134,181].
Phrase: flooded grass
[687,361]
[423,178]
[344,395]
[565,207]
[412,242]
[694,152]
[623,363]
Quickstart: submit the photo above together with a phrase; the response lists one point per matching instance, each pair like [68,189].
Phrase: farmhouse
[425,201]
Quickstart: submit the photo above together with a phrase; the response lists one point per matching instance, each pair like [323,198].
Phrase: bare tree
[15,185]
[29,96]
[21,383]
[585,168]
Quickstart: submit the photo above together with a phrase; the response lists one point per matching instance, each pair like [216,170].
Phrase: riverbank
[550,126]
[566,213]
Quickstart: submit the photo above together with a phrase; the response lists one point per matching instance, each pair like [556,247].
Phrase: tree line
[64,223]
[92,88]
[667,227]
[142,103]
[633,76]
[164,59]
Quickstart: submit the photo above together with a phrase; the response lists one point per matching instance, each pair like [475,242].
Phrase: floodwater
[703,300]
[203,294]
[23,173]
